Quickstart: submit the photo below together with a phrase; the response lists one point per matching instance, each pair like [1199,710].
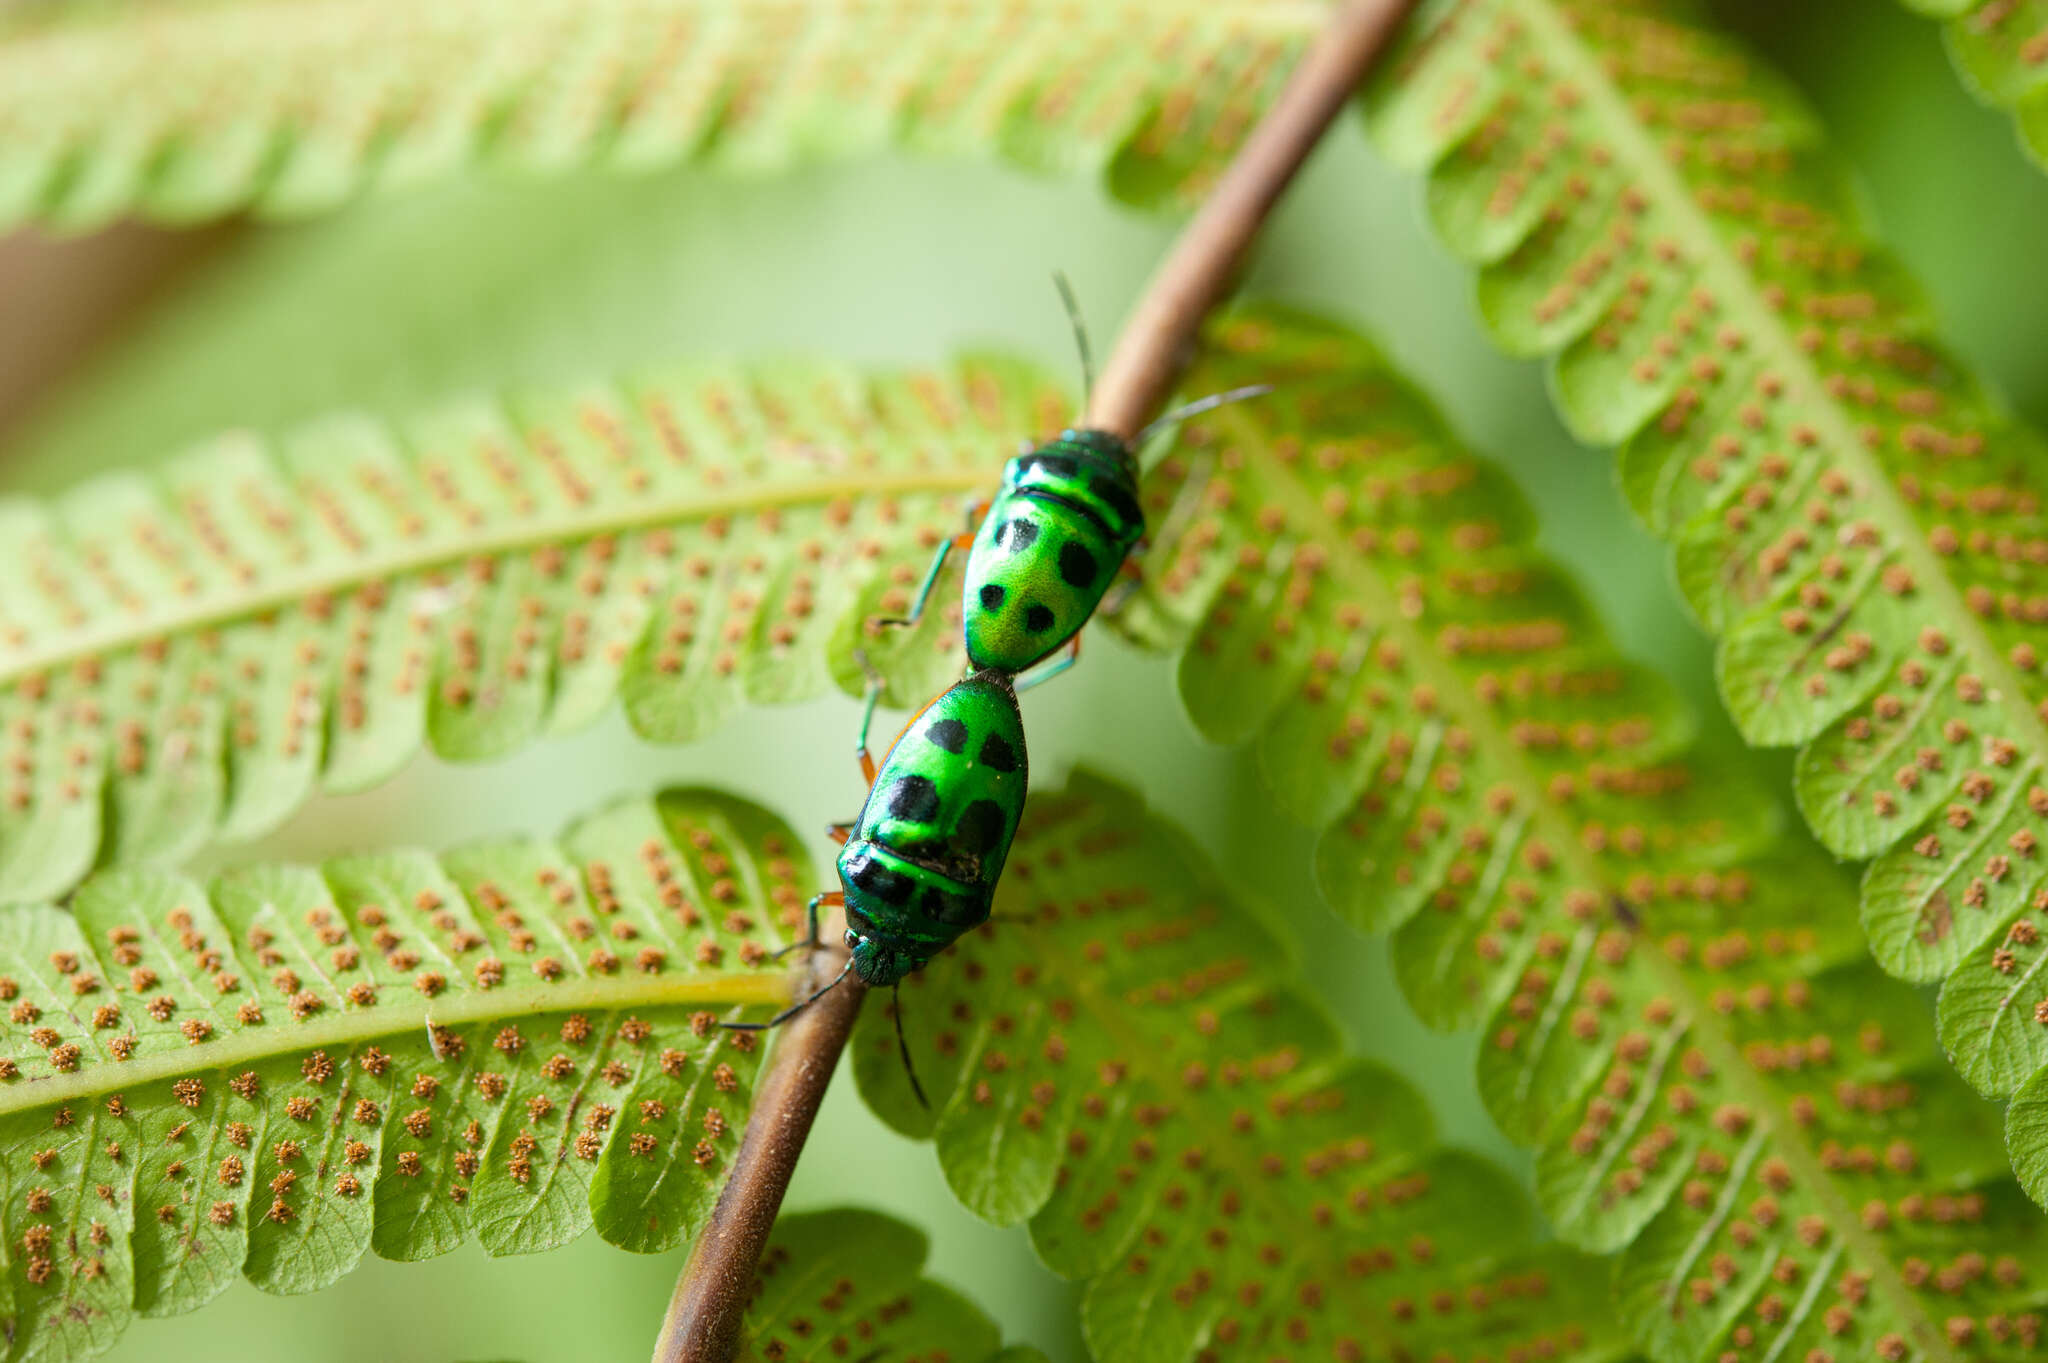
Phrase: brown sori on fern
[1124,1060]
[268,1074]
[189,109]
[1675,1004]
[188,652]
[1676,1011]
[1853,517]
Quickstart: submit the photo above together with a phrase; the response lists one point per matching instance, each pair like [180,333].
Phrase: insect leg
[963,540]
[924,590]
[867,716]
[903,1049]
[793,1009]
[840,832]
[836,898]
[1040,676]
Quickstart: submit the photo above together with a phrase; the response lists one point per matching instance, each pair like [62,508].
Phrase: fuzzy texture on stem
[710,1301]
[1158,340]
[709,1305]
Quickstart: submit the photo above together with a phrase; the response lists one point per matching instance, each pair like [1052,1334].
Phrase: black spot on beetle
[1037,619]
[915,799]
[997,754]
[1117,497]
[955,910]
[871,877]
[980,829]
[1020,534]
[1077,566]
[992,596]
[949,734]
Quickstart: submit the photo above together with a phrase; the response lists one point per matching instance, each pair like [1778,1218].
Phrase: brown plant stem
[717,1282]
[711,1296]
[1158,339]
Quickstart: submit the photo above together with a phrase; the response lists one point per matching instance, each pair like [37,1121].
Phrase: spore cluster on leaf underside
[271,1073]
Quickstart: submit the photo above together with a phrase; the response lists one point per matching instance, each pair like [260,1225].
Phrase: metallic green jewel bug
[920,863]
[1059,531]
[923,858]
[1052,541]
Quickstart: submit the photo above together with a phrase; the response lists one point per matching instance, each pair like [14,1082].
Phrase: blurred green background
[396,303]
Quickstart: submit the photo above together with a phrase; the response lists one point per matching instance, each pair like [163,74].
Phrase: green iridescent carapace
[923,858]
[1053,539]
[1050,542]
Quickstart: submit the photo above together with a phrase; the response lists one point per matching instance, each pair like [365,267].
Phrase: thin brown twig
[1158,339]
[711,1296]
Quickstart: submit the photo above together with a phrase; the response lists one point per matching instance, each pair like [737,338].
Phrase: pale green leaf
[1123,1059]
[1853,518]
[273,1073]
[188,653]
[846,1284]
[188,109]
[1675,1007]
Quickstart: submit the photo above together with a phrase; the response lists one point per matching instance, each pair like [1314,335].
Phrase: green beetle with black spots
[1053,540]
[920,863]
[1050,542]
[923,858]
[1055,535]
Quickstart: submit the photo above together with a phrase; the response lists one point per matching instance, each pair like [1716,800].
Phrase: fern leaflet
[844,1283]
[1851,515]
[190,109]
[271,1073]
[1132,1072]
[186,653]
[1677,1010]
[2001,49]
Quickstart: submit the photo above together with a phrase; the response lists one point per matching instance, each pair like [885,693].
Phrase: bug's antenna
[793,1009]
[1073,307]
[1201,405]
[903,1046]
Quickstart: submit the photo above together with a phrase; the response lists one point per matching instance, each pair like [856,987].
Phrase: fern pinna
[1678,1018]
[271,1073]
[832,1282]
[195,108]
[187,653]
[1676,1008]
[2001,49]
[1121,1059]
[1852,516]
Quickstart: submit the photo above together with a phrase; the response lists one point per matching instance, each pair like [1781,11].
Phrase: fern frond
[271,1073]
[188,109]
[187,653]
[1677,1011]
[846,1284]
[1852,517]
[1133,1072]
[2001,49]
